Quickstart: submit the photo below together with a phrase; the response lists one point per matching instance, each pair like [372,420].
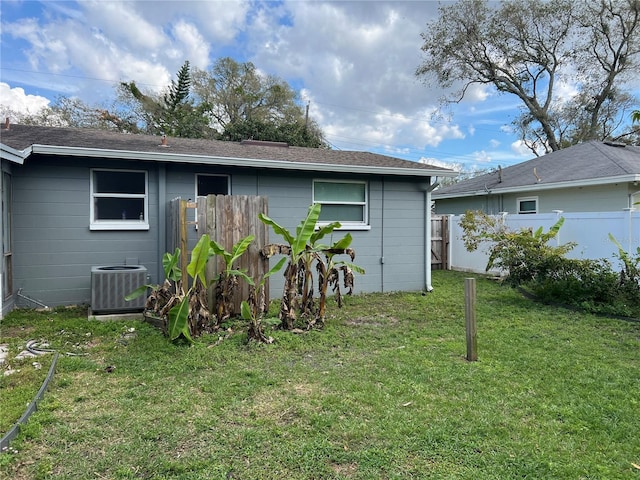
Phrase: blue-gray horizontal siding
[396,219]
[597,198]
[404,237]
[54,249]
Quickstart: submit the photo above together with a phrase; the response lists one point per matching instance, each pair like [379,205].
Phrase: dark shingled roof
[21,137]
[587,162]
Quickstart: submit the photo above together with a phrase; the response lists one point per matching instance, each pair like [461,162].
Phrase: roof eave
[13,155]
[592,182]
[236,161]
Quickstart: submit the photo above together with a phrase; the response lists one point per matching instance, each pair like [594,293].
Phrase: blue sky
[353,61]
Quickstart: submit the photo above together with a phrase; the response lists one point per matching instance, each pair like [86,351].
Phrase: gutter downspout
[427,232]
[631,195]
[162,220]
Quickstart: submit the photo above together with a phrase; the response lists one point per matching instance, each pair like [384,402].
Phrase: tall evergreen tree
[174,113]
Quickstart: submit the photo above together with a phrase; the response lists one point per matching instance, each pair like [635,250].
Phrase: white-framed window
[207,184]
[343,201]
[119,200]
[527,204]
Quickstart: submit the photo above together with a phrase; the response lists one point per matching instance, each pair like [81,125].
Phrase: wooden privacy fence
[226,219]
[440,242]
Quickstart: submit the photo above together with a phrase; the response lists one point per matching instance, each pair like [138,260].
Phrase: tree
[232,101]
[294,133]
[243,104]
[74,112]
[303,250]
[527,48]
[174,113]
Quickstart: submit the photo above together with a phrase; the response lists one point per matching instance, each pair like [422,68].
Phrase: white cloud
[564,91]
[482,157]
[124,25]
[439,163]
[358,59]
[16,100]
[222,21]
[494,143]
[519,148]
[196,48]
[476,93]
[354,61]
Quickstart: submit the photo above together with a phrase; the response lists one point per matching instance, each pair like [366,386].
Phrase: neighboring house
[77,198]
[589,177]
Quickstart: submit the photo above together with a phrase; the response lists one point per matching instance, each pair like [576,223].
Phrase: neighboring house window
[342,201]
[212,185]
[527,205]
[119,200]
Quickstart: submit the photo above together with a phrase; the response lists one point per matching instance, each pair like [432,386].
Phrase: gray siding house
[589,177]
[77,198]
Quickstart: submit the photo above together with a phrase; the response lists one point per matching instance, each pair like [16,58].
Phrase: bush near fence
[590,231]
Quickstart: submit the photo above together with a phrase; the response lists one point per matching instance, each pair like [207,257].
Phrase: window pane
[119,182]
[119,208]
[212,185]
[528,206]
[342,213]
[339,192]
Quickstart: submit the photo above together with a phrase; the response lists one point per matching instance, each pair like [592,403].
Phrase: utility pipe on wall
[428,188]
[162,220]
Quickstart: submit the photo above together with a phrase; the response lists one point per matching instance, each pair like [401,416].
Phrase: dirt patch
[345,469]
[373,321]
[283,406]
[12,332]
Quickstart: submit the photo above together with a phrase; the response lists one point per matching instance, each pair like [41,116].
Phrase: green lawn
[384,391]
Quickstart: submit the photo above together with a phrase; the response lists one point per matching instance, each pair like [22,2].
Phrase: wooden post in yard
[470,316]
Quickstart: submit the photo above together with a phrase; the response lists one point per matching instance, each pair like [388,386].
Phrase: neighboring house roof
[19,141]
[590,163]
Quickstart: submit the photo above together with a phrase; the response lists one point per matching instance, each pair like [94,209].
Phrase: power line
[343,107]
[403,117]
[80,77]
[416,153]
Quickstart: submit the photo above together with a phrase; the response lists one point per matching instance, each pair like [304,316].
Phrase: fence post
[470,316]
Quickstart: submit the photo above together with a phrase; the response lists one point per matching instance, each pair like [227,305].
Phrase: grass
[383,391]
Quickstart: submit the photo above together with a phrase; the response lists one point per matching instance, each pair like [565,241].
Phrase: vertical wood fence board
[173,225]
[439,242]
[184,246]
[235,217]
[226,219]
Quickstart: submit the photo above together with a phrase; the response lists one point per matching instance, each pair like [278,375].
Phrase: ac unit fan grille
[110,284]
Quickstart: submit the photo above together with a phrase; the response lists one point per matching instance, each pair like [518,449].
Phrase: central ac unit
[110,284]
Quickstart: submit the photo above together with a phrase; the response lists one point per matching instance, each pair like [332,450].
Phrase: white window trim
[118,224]
[526,199]
[364,225]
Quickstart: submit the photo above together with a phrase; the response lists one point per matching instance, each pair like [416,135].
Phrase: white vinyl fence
[590,231]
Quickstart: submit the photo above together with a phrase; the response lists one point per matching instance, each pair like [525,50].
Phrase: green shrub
[523,255]
[528,260]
